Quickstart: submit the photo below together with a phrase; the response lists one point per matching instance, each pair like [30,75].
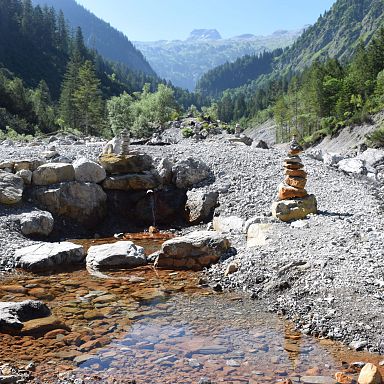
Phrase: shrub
[376,138]
[187,132]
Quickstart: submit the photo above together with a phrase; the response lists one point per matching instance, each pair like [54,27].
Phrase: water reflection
[158,326]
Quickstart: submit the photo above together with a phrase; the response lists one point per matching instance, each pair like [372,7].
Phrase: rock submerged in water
[13,315]
[194,251]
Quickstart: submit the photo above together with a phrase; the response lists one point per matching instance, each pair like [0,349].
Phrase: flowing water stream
[159,326]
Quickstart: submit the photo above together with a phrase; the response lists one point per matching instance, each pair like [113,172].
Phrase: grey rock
[228,224]
[353,165]
[11,188]
[53,173]
[317,380]
[13,314]
[164,170]
[122,254]
[88,171]
[294,209]
[194,251]
[36,223]
[200,205]
[189,172]
[49,256]
[26,175]
[82,202]
[131,181]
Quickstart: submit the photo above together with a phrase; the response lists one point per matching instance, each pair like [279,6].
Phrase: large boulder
[131,181]
[11,188]
[295,209]
[131,163]
[354,165]
[189,172]
[200,205]
[36,223]
[49,256]
[82,202]
[88,171]
[13,315]
[195,251]
[53,173]
[122,254]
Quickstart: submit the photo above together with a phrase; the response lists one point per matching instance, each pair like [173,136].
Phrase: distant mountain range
[183,62]
[99,35]
[336,34]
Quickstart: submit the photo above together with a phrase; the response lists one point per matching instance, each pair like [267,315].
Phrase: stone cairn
[125,142]
[293,203]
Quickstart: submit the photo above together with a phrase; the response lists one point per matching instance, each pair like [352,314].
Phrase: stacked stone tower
[293,202]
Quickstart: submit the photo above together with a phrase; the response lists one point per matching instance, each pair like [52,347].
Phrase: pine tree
[88,100]
[68,112]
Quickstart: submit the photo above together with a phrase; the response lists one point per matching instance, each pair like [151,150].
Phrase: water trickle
[152,202]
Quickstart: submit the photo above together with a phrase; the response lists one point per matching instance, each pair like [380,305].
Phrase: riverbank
[327,276]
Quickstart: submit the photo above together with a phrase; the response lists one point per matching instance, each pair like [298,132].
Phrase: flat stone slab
[294,209]
[122,254]
[49,256]
[131,163]
[131,182]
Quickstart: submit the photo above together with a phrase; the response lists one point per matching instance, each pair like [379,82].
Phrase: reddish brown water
[158,326]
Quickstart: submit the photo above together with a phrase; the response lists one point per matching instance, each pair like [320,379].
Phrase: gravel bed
[328,277]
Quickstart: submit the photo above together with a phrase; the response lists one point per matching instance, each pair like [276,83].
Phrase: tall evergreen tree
[88,101]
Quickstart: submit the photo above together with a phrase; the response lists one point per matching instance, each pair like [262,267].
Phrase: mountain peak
[204,34]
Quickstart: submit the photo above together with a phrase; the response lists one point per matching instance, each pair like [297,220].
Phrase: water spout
[152,203]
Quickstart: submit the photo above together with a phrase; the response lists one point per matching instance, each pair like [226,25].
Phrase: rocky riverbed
[325,273]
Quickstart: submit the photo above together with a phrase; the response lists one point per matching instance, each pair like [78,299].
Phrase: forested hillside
[331,77]
[99,35]
[336,34]
[183,62]
[49,79]
[233,75]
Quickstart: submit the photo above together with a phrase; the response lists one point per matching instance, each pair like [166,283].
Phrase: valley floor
[328,277]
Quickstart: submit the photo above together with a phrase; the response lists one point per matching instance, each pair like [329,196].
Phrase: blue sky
[149,20]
